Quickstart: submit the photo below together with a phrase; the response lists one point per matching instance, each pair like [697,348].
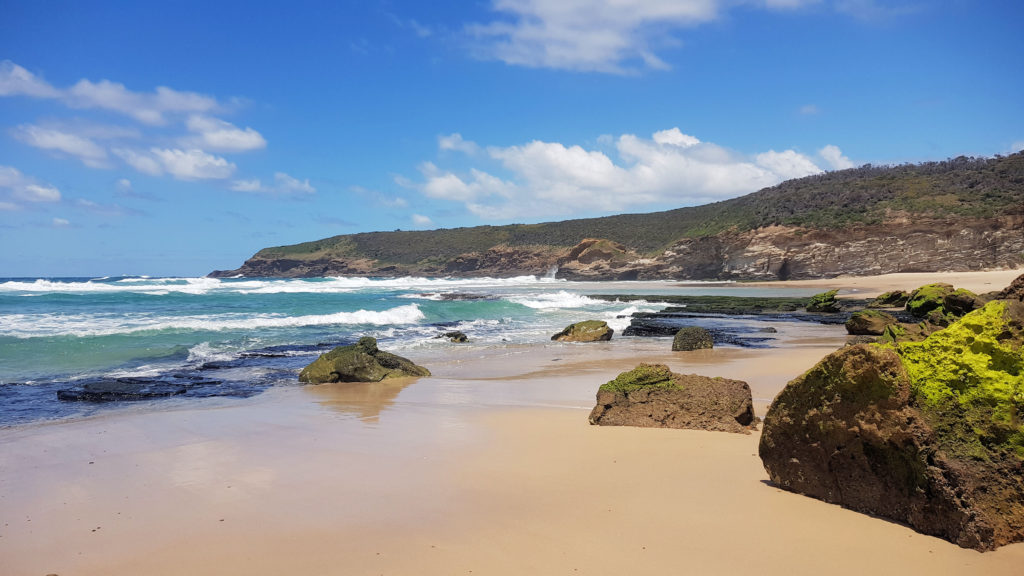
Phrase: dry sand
[489,467]
[871,286]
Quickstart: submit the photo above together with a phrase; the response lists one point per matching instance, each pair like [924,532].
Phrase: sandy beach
[487,467]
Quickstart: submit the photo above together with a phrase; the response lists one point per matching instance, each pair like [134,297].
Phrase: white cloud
[9,207]
[284,185]
[21,187]
[148,108]
[124,185]
[193,164]
[549,179]
[455,142]
[1017,146]
[140,161]
[220,136]
[810,110]
[834,156]
[787,164]
[421,220]
[61,223]
[16,81]
[86,150]
[588,35]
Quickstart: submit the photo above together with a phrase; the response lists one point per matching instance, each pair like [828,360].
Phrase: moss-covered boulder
[893,299]
[359,362]
[586,331]
[907,332]
[824,302]
[869,322]
[652,396]
[927,433]
[692,338]
[941,304]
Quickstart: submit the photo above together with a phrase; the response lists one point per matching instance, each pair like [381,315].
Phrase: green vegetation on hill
[961,187]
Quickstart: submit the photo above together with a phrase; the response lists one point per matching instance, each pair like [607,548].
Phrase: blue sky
[175,138]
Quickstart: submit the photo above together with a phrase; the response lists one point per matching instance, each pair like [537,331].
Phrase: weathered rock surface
[894,299]
[926,433]
[692,338]
[652,396]
[1015,291]
[586,331]
[360,362]
[122,389]
[941,303]
[869,322]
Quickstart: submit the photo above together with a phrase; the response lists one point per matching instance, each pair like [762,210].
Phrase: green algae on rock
[359,362]
[586,331]
[941,304]
[824,302]
[652,396]
[928,433]
[893,299]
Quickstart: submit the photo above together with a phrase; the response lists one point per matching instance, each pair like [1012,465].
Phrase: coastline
[871,286]
[487,467]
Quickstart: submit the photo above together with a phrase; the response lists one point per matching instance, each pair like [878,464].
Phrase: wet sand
[488,467]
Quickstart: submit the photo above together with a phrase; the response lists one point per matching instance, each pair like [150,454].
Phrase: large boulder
[1015,291]
[692,338]
[586,331]
[359,362]
[824,302]
[869,322]
[652,396]
[926,433]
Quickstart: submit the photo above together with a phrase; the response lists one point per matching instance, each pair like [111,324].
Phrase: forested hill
[963,190]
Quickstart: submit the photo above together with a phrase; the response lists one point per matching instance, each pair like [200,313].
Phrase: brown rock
[652,396]
[586,331]
[869,322]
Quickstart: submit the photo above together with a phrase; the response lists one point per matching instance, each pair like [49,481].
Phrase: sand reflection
[366,400]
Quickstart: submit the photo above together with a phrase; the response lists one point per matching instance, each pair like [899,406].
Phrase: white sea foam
[36,325]
[554,300]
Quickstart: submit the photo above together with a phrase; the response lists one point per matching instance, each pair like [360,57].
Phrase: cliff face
[770,253]
[959,214]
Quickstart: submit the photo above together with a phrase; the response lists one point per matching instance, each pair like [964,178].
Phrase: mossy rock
[893,299]
[586,331]
[926,433]
[824,302]
[652,396]
[359,362]
[941,304]
[869,322]
[692,338]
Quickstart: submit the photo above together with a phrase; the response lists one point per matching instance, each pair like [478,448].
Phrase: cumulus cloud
[549,179]
[421,220]
[85,149]
[18,186]
[283,185]
[457,143]
[220,136]
[834,156]
[193,164]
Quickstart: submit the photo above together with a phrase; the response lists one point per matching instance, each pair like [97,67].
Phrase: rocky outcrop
[359,362]
[926,433]
[456,336]
[869,323]
[692,338]
[652,396]
[941,304]
[586,331]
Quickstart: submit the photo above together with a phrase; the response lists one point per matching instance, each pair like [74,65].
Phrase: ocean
[216,338]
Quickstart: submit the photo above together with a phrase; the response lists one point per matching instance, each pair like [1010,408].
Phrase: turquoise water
[254,333]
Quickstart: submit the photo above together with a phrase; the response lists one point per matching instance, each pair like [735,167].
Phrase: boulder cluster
[359,362]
